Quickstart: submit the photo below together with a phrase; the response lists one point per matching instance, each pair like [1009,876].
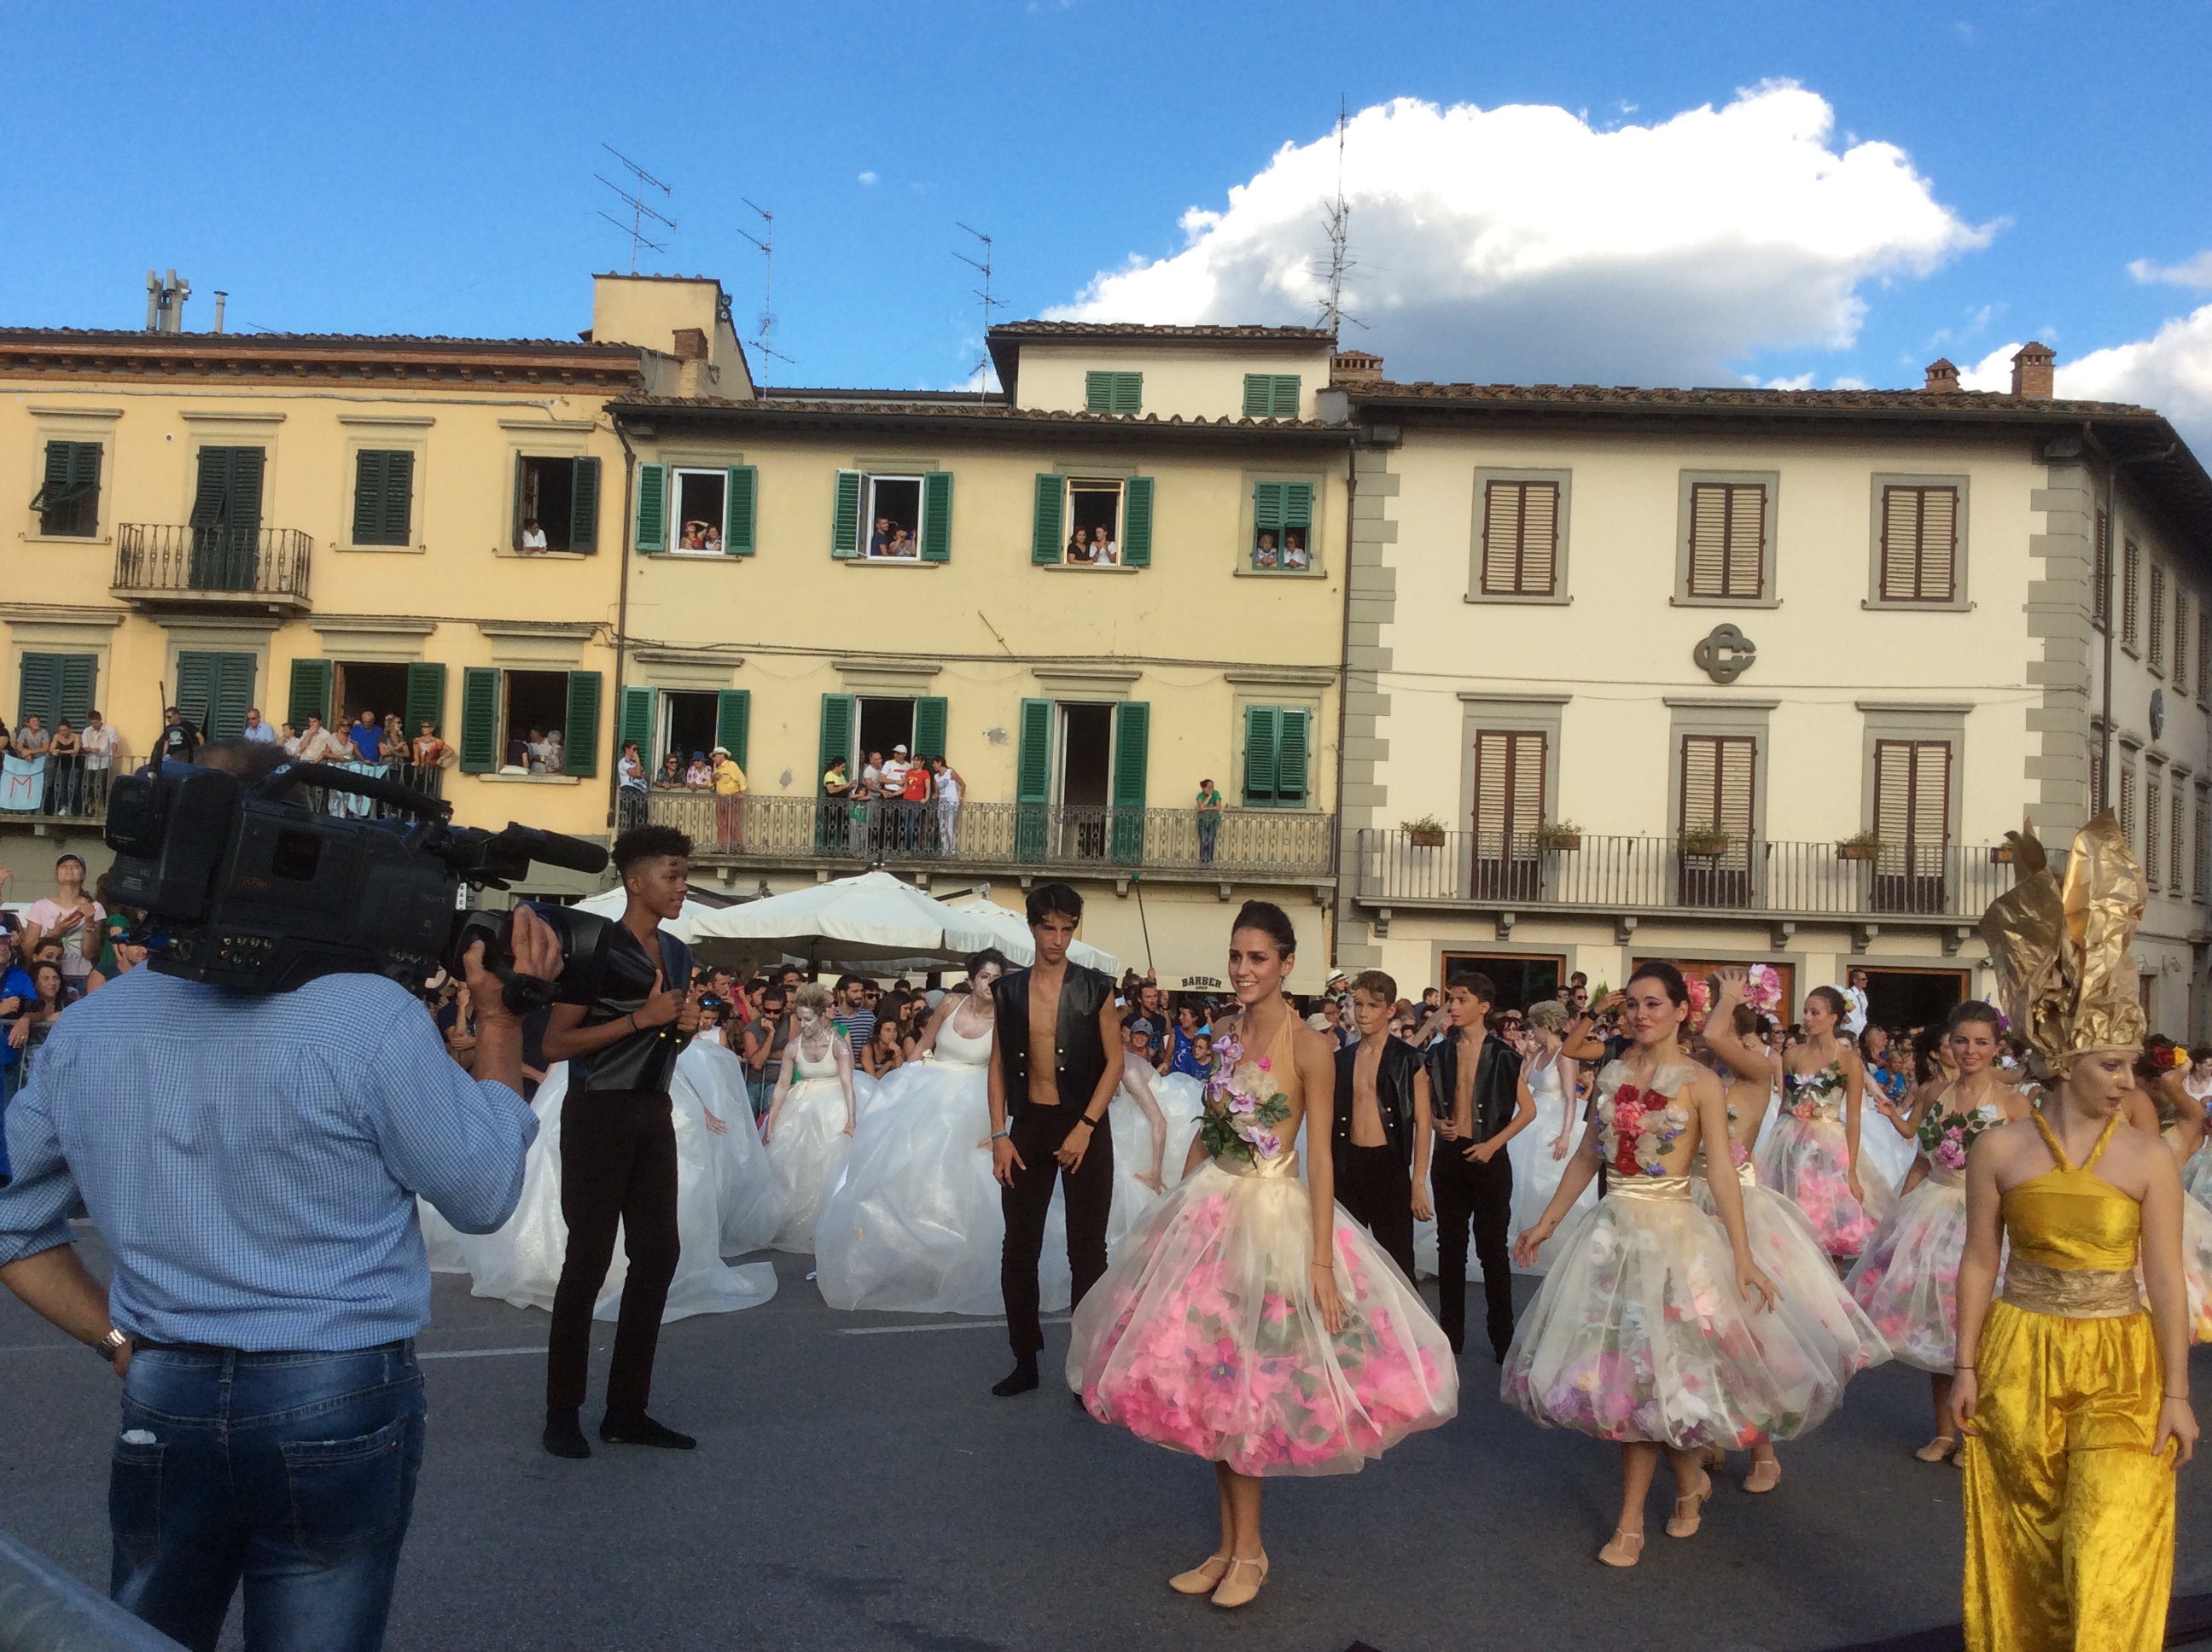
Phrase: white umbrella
[1010,933]
[612,903]
[872,918]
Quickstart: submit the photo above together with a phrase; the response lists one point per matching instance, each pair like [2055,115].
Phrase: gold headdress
[2061,955]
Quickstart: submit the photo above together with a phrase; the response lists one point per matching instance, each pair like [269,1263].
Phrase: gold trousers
[2069,1519]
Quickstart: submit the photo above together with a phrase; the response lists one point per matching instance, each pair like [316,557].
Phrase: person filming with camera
[255,1179]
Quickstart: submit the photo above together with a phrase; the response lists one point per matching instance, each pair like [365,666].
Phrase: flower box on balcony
[1558,835]
[1425,837]
[1858,851]
[1704,846]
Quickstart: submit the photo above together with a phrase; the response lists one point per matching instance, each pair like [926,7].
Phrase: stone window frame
[1484,475]
[1962,558]
[1770,596]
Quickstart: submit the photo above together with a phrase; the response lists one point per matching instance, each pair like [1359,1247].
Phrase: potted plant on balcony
[1426,833]
[1558,835]
[1705,841]
[1860,846]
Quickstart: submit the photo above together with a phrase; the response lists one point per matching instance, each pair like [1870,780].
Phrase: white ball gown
[809,1148]
[520,1264]
[1182,1101]
[1536,1173]
[1804,1157]
[1883,1151]
[916,1226]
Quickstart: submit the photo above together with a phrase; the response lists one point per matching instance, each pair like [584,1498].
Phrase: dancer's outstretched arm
[1745,1059]
[842,1048]
[1136,1079]
[1853,1101]
[1317,1078]
[1424,1124]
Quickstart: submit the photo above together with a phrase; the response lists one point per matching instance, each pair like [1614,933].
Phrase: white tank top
[955,1050]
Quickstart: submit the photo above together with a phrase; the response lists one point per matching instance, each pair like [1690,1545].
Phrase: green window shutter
[310,693]
[1268,505]
[1292,740]
[234,694]
[1098,391]
[1044,536]
[1129,392]
[42,689]
[196,674]
[584,507]
[398,496]
[77,673]
[1297,504]
[1137,522]
[1284,396]
[845,516]
[651,507]
[1260,732]
[1132,723]
[737,514]
[1033,780]
[1259,395]
[208,497]
[370,466]
[637,710]
[836,734]
[733,716]
[479,719]
[580,741]
[521,477]
[68,503]
[929,720]
[426,698]
[937,517]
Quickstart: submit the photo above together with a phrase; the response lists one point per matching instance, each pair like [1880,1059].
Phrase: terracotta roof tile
[1137,329]
[1745,397]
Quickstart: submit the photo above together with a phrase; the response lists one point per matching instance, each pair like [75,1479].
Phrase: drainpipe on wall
[2113,542]
[1343,691]
[622,619]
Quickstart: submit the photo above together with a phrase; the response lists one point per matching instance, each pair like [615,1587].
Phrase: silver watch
[111,1344]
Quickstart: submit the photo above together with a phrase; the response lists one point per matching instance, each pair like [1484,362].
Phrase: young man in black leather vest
[1382,1124]
[1482,1102]
[1050,1085]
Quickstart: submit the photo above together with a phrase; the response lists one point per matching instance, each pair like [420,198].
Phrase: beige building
[1121,578]
[1738,675]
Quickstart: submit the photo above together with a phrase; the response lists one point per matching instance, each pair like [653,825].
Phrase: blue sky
[431,168]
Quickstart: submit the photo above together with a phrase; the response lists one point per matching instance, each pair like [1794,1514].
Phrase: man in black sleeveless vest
[1381,1124]
[1482,1102]
[1050,1085]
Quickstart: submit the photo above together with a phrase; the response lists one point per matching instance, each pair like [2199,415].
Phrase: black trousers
[618,1166]
[1038,1133]
[1378,1191]
[1479,1196]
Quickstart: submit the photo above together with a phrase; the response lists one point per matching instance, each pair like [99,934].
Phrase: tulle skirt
[1203,1336]
[1804,1161]
[2197,1267]
[809,1151]
[1820,1313]
[1884,1155]
[520,1264]
[2196,1174]
[1536,1175]
[1637,1334]
[1183,1104]
[753,1201]
[915,1225]
[1907,1279]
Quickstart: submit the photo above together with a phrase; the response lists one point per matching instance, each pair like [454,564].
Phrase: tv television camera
[248,886]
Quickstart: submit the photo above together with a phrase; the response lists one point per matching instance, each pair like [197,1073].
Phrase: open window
[702,504]
[524,722]
[556,504]
[1282,527]
[1092,521]
[893,519]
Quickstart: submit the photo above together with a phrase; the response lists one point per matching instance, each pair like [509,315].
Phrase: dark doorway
[1912,998]
[369,686]
[884,724]
[1086,769]
[547,497]
[1521,978]
[687,725]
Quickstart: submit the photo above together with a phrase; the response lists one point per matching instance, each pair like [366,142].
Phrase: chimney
[2032,375]
[219,296]
[690,353]
[1942,375]
[1355,367]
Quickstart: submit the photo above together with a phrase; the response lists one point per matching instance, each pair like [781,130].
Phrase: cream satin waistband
[1282,1168]
[2073,1293]
[1655,1189]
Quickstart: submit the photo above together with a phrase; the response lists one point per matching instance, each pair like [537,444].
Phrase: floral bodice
[1947,1137]
[1246,1101]
[1638,1125]
[1810,1096]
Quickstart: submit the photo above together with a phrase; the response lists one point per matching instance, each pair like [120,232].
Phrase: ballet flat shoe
[1689,1511]
[1766,1474]
[1624,1549]
[1713,1456]
[1203,1578]
[1938,1449]
[1234,1590]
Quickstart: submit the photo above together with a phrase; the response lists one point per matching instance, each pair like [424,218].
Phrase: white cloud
[2195,272]
[1519,243]
[2170,371]
[868,178]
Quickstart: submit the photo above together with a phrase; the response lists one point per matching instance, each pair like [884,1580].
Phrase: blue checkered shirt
[253,1163]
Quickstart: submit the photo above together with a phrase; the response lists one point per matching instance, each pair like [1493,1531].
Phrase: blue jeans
[294,1471]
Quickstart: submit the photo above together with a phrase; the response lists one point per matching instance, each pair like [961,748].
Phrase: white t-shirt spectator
[49,914]
[534,538]
[99,743]
[894,776]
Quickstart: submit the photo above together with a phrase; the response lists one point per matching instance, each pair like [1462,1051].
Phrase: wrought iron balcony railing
[175,562]
[1660,874]
[1238,843]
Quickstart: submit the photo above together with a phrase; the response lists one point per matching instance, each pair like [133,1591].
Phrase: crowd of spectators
[53,952]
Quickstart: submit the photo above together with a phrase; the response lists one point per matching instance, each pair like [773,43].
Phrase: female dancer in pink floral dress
[1656,1327]
[1812,1154]
[1246,1318]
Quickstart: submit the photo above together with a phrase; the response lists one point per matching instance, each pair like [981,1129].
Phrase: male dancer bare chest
[1044,1035]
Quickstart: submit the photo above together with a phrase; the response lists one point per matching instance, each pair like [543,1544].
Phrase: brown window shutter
[1718,774]
[1520,538]
[1728,537]
[2130,571]
[2097,800]
[1919,543]
[1939,544]
[2203,650]
[1539,536]
[1746,541]
[2151,824]
[1509,792]
[1708,540]
[1913,805]
[1501,537]
[2100,568]
[2181,642]
[2128,805]
[2174,844]
[2197,863]
[2157,617]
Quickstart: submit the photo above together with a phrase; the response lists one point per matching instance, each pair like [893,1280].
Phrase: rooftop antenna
[1337,216]
[766,241]
[635,199]
[983,367]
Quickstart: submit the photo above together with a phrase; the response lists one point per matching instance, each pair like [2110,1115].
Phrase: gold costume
[2069,1518]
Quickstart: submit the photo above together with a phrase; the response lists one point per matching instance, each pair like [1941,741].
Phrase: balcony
[53,794]
[1929,885]
[1237,845]
[170,565]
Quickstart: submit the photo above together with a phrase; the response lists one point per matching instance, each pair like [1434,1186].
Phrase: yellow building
[1120,578]
[289,525]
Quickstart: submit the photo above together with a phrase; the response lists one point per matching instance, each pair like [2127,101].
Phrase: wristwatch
[111,1344]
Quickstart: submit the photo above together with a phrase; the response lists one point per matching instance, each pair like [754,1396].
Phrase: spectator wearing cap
[68,917]
[729,795]
[700,776]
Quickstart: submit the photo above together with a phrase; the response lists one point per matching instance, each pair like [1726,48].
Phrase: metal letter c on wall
[1724,654]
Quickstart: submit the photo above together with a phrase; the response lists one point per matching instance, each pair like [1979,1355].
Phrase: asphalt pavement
[857,1486]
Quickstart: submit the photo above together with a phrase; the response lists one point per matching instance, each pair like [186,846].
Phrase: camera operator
[255,1179]
[620,1031]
